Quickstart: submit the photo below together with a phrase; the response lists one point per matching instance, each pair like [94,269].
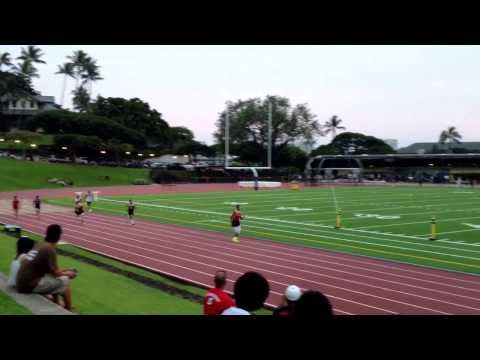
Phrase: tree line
[121,125]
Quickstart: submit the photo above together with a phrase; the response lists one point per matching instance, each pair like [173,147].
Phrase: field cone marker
[433,229]
[338,222]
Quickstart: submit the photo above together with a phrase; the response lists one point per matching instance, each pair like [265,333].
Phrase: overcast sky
[409,93]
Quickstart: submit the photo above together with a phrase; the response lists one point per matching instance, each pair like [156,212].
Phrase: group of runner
[89,198]
[16,205]
[79,208]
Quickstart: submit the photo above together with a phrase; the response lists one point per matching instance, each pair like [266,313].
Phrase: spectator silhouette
[313,305]
[24,245]
[289,301]
[39,272]
[250,292]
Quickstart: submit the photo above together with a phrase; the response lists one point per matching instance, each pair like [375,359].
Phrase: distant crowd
[35,270]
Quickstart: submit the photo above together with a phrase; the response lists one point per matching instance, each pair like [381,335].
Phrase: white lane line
[180,236]
[334,198]
[451,232]
[417,222]
[255,251]
[229,270]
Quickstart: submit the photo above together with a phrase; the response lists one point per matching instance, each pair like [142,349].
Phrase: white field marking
[376,216]
[476,227]
[256,199]
[258,205]
[387,234]
[451,232]
[235,203]
[298,223]
[372,250]
[382,245]
[157,244]
[74,225]
[462,192]
[292,208]
[268,197]
[378,233]
[417,222]
[192,232]
[174,235]
[334,195]
[366,242]
[425,213]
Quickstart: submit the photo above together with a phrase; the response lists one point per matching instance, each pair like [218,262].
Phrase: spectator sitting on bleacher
[39,273]
[289,300]
[217,300]
[250,292]
[24,245]
[313,305]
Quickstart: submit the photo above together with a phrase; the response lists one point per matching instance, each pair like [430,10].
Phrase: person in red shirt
[235,219]
[217,300]
[15,205]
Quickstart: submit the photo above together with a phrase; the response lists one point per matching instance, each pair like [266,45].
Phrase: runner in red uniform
[217,300]
[235,219]
[16,205]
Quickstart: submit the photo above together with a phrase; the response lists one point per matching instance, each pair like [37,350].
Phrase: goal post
[256,183]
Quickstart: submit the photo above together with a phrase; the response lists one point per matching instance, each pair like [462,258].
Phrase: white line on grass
[282,222]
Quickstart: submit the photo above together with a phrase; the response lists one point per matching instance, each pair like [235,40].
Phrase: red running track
[354,284]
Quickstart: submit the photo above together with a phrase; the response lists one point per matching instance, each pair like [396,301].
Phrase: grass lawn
[26,138]
[10,307]
[23,175]
[384,222]
[98,291]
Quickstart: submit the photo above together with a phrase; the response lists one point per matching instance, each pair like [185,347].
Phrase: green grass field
[10,307]
[24,175]
[100,292]
[384,222]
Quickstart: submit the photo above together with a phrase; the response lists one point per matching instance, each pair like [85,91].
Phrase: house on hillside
[29,105]
[433,147]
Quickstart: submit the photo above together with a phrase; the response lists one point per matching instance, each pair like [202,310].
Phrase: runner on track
[131,211]
[36,204]
[235,219]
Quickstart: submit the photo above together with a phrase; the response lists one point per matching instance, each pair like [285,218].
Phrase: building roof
[428,147]
[45,99]
[39,98]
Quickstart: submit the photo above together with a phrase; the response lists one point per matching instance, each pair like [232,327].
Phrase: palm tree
[29,57]
[91,73]
[32,54]
[27,69]
[333,125]
[79,59]
[450,136]
[5,59]
[81,99]
[67,70]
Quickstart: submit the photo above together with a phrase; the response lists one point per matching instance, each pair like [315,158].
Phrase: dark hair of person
[313,305]
[54,232]
[220,278]
[250,291]
[24,245]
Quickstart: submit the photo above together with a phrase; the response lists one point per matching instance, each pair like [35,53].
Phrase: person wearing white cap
[289,299]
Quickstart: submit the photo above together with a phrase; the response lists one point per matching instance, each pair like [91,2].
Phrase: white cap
[293,293]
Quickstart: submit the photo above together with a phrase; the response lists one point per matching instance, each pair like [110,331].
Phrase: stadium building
[437,168]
